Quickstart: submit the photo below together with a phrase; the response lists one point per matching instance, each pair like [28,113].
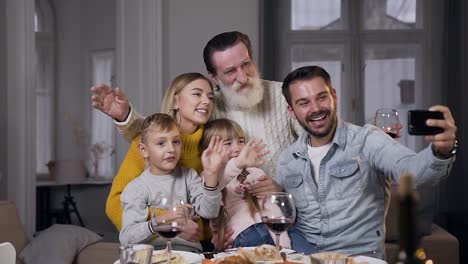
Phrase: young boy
[161,147]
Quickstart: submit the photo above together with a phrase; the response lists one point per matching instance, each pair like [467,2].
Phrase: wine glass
[387,119]
[168,217]
[278,212]
[136,253]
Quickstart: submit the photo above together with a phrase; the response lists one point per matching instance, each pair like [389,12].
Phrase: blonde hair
[226,129]
[176,86]
[156,122]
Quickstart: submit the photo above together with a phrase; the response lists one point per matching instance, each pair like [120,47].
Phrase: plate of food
[339,258]
[177,257]
[264,254]
[365,260]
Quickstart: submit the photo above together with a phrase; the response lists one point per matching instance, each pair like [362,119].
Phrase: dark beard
[331,126]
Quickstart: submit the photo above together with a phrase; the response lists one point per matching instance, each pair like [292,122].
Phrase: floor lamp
[69,172]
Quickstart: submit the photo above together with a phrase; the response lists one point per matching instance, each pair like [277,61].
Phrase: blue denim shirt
[345,210]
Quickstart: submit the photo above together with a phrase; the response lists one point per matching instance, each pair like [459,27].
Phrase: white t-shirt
[316,155]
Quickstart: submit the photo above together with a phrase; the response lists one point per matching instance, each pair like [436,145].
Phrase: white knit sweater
[269,121]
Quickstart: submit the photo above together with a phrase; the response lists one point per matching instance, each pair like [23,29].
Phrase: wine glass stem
[277,241]
[169,249]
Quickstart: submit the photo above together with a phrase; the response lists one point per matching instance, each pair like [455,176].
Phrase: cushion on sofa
[59,244]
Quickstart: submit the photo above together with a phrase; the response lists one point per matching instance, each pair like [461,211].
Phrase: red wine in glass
[277,225]
[391,134]
[168,231]
[387,120]
[168,225]
[278,213]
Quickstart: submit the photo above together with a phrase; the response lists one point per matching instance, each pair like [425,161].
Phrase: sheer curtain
[316,15]
[387,69]
[330,57]
[102,129]
[44,86]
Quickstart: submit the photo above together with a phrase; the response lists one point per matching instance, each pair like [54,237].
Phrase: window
[102,129]
[373,50]
[45,90]
[329,57]
[316,15]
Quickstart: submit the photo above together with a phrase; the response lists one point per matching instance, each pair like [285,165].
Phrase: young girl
[241,211]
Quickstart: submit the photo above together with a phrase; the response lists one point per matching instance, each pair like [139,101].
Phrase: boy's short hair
[224,128]
[157,122]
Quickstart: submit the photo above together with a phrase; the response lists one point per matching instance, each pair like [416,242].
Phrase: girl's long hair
[226,129]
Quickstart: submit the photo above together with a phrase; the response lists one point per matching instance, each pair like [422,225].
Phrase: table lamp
[69,171]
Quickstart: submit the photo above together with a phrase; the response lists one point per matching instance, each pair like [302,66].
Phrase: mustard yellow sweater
[134,164]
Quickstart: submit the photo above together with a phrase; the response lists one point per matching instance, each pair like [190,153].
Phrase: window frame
[277,33]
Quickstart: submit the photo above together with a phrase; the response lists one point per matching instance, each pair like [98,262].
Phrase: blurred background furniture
[440,246]
[47,215]
[11,230]
[7,253]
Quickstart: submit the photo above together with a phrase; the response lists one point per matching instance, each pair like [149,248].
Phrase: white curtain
[315,14]
[102,146]
[44,101]
[44,85]
[386,67]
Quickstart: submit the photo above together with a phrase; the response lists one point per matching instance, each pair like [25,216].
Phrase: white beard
[248,100]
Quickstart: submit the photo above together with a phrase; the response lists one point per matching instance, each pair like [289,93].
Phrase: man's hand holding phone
[443,143]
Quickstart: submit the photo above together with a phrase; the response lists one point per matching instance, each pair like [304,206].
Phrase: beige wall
[190,24]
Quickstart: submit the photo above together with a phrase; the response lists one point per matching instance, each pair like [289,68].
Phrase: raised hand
[214,159]
[112,102]
[251,154]
[443,142]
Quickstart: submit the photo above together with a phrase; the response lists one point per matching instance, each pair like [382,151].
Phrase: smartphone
[417,122]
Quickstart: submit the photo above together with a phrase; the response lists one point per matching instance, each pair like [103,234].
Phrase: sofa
[57,244]
[439,245]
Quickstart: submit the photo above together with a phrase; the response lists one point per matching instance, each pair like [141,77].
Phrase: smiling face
[313,104]
[195,105]
[162,149]
[234,145]
[237,76]
[229,131]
